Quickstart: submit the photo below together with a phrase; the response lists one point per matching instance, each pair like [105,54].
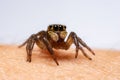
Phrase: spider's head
[56,28]
[57,31]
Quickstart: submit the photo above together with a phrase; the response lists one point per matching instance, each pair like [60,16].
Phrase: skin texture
[13,66]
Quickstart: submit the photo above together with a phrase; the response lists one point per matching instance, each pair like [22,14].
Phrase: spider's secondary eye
[60,28]
[55,28]
[65,27]
[50,26]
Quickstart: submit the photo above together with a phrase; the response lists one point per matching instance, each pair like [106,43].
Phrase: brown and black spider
[54,37]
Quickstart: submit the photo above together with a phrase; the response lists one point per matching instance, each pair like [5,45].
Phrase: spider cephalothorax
[54,37]
[57,32]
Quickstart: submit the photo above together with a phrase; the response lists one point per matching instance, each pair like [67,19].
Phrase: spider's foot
[56,62]
[93,53]
[90,58]
[76,55]
[28,60]
[87,57]
[54,58]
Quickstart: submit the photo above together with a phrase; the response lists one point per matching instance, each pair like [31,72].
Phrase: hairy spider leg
[85,45]
[43,43]
[23,43]
[49,48]
[29,47]
[72,38]
[38,38]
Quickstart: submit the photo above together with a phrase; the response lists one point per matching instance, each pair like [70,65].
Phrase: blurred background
[97,22]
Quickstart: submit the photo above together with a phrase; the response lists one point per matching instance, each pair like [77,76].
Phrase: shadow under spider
[60,54]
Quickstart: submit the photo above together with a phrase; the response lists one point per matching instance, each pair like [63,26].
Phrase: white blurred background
[97,22]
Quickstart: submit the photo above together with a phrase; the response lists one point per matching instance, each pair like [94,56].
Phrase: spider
[54,37]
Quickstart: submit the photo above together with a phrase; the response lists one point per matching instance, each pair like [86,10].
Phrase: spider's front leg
[41,40]
[73,38]
[49,48]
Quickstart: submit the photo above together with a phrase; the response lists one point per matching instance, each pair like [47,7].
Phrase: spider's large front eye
[55,28]
[60,28]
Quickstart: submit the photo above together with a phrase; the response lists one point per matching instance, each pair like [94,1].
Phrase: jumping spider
[54,37]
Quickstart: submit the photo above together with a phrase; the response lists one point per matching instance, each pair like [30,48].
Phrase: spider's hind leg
[72,38]
[29,46]
[23,43]
[85,45]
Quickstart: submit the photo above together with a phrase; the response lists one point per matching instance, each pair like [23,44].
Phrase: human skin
[105,65]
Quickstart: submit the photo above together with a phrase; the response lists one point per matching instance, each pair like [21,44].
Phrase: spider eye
[65,27]
[50,26]
[60,28]
[55,27]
